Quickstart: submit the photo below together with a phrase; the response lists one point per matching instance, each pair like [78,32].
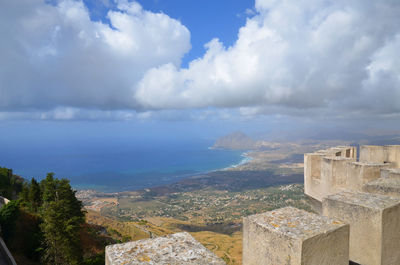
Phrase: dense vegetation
[45,222]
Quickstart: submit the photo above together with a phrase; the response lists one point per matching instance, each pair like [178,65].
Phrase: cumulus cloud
[292,57]
[55,56]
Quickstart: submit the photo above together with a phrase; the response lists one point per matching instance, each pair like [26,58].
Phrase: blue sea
[112,165]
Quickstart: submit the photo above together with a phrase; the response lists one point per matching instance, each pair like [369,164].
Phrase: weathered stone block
[334,174]
[380,154]
[295,237]
[393,154]
[312,174]
[175,249]
[390,173]
[384,186]
[374,225]
[359,173]
[373,154]
[316,184]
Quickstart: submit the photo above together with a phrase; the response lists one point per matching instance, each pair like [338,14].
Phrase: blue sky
[239,64]
[206,19]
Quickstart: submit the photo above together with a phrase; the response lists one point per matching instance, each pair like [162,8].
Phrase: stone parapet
[175,249]
[321,180]
[390,172]
[380,154]
[334,174]
[292,236]
[384,186]
[374,225]
[359,173]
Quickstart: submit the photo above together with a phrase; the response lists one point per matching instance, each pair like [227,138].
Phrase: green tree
[34,195]
[24,196]
[8,218]
[62,221]
[48,187]
[5,182]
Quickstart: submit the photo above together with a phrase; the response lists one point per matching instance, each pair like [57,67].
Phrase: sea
[114,166]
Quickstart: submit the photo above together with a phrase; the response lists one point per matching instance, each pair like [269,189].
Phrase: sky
[220,65]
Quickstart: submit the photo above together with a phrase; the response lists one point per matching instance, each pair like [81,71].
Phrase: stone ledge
[367,200]
[295,223]
[175,249]
[374,225]
[384,186]
[390,173]
[296,237]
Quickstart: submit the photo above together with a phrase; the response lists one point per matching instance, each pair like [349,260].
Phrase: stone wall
[363,196]
[330,171]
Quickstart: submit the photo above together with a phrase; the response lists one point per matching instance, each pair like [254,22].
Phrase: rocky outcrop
[236,141]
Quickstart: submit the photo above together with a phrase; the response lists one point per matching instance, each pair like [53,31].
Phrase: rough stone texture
[393,154]
[373,154]
[380,154]
[384,186]
[292,236]
[390,173]
[334,174]
[374,225]
[359,173]
[313,176]
[175,249]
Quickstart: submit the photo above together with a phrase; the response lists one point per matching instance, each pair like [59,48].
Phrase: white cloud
[54,55]
[293,57]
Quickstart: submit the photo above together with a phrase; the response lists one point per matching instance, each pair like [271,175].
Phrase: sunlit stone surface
[175,249]
[293,236]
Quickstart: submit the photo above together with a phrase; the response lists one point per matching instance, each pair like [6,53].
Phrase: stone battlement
[328,172]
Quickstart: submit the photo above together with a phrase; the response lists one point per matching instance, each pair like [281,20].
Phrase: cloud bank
[292,57]
[54,55]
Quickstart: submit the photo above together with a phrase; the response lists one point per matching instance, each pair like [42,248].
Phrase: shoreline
[246,158]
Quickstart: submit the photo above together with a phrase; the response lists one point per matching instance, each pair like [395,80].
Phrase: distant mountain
[237,140]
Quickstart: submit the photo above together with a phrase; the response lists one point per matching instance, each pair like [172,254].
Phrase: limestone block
[295,237]
[390,173]
[312,174]
[374,225]
[373,154]
[359,173]
[334,174]
[384,186]
[393,154]
[175,249]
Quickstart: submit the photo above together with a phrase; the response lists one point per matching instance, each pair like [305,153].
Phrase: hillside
[235,141]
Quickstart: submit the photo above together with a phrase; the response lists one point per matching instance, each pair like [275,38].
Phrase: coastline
[174,178]
[247,158]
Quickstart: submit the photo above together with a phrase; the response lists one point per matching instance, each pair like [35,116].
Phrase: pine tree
[48,187]
[8,217]
[34,195]
[62,221]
